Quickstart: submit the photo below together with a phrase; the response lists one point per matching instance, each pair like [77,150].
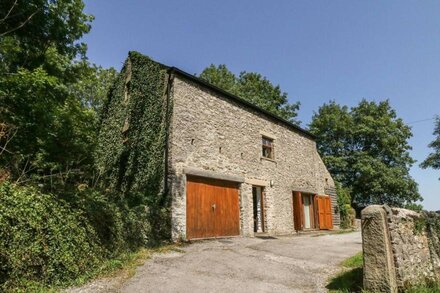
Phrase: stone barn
[230,167]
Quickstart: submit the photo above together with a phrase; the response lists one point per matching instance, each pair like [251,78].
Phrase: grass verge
[426,288]
[122,267]
[350,279]
[342,231]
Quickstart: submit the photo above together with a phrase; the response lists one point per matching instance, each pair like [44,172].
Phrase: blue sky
[315,50]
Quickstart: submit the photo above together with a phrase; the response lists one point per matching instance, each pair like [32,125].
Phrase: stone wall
[211,132]
[410,248]
[405,232]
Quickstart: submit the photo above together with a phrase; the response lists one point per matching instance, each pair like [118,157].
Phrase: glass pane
[306,200]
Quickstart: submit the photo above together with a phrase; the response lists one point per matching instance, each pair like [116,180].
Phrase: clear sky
[315,50]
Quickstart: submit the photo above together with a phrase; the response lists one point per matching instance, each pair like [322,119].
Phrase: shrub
[42,239]
[347,213]
[119,227]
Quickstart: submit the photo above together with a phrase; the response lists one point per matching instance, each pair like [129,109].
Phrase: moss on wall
[133,138]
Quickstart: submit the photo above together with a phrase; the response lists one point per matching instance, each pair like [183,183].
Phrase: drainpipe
[167,126]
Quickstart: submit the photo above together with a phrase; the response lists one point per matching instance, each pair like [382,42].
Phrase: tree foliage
[49,92]
[58,222]
[254,88]
[56,225]
[366,149]
[30,28]
[433,159]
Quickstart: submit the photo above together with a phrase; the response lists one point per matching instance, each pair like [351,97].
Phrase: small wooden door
[212,208]
[324,207]
[297,211]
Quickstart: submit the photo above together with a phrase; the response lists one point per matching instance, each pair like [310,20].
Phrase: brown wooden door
[297,211]
[324,212]
[212,208]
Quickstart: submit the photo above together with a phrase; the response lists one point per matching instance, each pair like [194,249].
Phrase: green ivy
[132,141]
[42,239]
[432,228]
[419,225]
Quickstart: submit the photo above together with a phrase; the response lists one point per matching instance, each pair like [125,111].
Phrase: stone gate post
[379,272]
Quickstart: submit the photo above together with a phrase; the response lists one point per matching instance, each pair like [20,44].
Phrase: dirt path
[289,264]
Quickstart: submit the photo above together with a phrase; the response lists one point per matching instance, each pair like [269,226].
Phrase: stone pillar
[379,272]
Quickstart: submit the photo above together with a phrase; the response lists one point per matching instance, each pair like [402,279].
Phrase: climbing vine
[132,140]
[432,228]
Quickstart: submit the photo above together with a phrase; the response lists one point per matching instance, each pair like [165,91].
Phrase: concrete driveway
[285,264]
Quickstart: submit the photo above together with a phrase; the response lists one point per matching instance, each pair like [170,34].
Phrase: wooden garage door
[212,208]
[324,212]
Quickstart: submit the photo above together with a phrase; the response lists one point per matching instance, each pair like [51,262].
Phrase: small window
[267,148]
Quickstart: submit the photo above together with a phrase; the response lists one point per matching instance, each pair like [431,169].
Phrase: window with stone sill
[267,148]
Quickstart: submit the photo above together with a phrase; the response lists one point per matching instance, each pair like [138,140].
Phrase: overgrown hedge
[51,241]
[54,239]
[42,239]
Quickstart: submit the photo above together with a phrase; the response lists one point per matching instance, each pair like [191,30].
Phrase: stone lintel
[213,175]
[304,190]
[256,182]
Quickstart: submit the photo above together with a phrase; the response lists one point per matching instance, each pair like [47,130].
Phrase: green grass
[127,263]
[427,288]
[124,266]
[350,279]
[356,261]
[342,231]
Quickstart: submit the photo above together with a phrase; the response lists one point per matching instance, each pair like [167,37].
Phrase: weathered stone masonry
[213,133]
[397,253]
[202,159]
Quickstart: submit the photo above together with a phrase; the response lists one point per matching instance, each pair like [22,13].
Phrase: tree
[254,88]
[433,159]
[49,93]
[366,149]
[30,28]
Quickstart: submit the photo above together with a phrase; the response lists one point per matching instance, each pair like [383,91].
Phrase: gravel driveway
[285,264]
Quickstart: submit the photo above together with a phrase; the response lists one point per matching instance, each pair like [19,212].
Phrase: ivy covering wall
[133,138]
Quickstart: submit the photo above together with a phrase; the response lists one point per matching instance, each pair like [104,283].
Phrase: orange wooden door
[212,208]
[297,211]
[324,212]
[328,213]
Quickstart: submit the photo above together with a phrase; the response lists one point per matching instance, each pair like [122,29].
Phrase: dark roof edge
[240,100]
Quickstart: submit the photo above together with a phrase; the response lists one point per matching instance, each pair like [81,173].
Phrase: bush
[56,240]
[42,239]
[347,213]
[118,227]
